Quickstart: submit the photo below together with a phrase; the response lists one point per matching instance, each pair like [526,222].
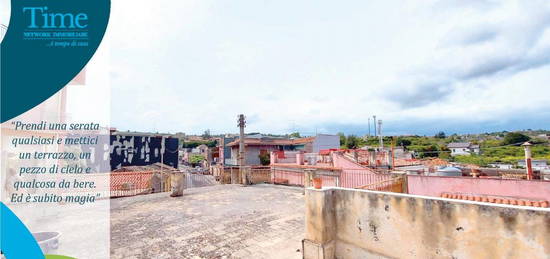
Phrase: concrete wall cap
[326,189]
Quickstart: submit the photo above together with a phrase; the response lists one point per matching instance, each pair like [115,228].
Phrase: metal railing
[347,178]
[302,176]
[355,178]
[288,176]
[130,183]
[391,185]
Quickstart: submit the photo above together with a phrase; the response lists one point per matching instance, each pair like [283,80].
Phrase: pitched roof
[303,140]
[272,141]
[459,145]
[497,199]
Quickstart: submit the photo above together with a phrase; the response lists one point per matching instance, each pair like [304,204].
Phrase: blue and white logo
[58,29]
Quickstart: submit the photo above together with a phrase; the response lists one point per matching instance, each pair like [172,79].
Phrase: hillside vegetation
[497,147]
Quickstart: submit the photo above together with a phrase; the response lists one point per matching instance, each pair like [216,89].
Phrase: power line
[480,148]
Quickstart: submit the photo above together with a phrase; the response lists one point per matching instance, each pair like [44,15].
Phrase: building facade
[463,148]
[135,149]
[259,145]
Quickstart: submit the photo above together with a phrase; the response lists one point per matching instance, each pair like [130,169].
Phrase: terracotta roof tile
[497,199]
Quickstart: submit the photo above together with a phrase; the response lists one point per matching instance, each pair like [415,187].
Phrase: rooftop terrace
[222,221]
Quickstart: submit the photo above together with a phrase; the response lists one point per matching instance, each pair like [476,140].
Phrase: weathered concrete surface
[387,225]
[224,221]
[320,225]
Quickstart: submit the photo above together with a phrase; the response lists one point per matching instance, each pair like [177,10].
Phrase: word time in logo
[41,18]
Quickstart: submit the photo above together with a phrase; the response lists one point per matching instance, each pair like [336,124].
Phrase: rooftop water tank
[448,171]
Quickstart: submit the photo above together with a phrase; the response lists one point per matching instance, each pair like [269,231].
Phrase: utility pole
[242,171]
[374,124]
[380,135]
[392,163]
[241,125]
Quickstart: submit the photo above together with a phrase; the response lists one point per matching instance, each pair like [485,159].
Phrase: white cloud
[192,65]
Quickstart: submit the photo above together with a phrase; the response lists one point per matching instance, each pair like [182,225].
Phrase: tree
[212,143]
[402,142]
[295,135]
[440,134]
[429,151]
[514,138]
[444,153]
[265,159]
[206,134]
[194,144]
[195,159]
[352,142]
[342,138]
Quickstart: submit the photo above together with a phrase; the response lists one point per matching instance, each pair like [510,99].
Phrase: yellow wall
[350,223]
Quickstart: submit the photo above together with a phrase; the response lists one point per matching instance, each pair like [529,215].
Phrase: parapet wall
[348,223]
[436,185]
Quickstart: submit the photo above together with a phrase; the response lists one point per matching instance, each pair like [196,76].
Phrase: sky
[5,8]
[459,66]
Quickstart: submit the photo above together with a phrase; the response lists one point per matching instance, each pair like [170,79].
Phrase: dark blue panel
[142,150]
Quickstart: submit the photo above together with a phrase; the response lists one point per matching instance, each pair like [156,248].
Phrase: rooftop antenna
[368,126]
[374,124]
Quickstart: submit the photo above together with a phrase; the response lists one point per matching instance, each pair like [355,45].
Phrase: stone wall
[348,223]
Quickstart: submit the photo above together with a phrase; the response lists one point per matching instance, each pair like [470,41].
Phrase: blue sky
[322,66]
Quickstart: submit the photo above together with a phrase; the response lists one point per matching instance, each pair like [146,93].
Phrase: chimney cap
[527,143]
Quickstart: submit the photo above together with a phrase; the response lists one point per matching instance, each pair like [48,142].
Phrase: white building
[256,145]
[536,164]
[501,166]
[463,148]
[325,141]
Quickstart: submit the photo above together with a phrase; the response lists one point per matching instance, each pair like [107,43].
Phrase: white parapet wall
[349,223]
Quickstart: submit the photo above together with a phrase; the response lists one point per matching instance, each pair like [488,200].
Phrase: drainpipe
[528,166]
[374,124]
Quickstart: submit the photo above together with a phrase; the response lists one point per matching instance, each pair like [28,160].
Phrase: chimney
[528,166]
